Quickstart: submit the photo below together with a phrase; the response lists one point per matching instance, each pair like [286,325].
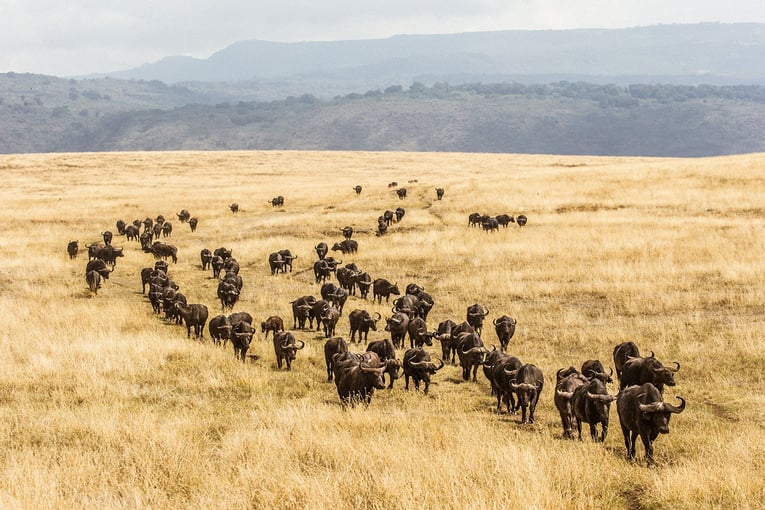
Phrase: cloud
[84,36]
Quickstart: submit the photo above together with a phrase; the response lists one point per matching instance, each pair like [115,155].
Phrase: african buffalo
[357,189]
[591,404]
[504,219]
[528,384]
[444,335]
[285,348]
[347,232]
[241,337]
[418,333]
[503,373]
[194,315]
[301,310]
[355,381]
[276,263]
[505,329]
[419,367]
[383,288]
[183,216]
[334,345]
[329,318]
[398,326]
[568,380]
[637,371]
[234,207]
[321,250]
[361,321]
[206,257]
[72,248]
[439,193]
[642,411]
[193,222]
[274,323]
[475,316]
[346,246]
[401,192]
[622,352]
[471,352]
[521,220]
[220,329]
[93,280]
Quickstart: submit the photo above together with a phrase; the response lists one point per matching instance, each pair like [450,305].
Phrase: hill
[712,53]
[47,114]
[106,405]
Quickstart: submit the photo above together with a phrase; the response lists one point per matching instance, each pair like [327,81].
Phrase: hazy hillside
[699,53]
[47,114]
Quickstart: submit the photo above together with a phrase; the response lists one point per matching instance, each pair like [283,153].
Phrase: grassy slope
[104,405]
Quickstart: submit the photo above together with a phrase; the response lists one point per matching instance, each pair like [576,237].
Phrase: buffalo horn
[565,394]
[673,409]
[496,321]
[601,397]
[302,344]
[653,407]
[440,366]
[378,316]
[676,369]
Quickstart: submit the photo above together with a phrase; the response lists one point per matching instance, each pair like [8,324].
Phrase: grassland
[103,405]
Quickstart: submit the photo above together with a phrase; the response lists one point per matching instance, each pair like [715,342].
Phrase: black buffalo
[285,348]
[528,385]
[321,250]
[419,367]
[274,323]
[93,280]
[357,189]
[72,248]
[346,246]
[643,412]
[347,232]
[444,335]
[568,380]
[355,380]
[637,371]
[361,321]
[504,219]
[301,310]
[591,404]
[383,288]
[622,352]
[475,316]
[439,193]
[398,326]
[521,220]
[206,257]
[505,328]
[471,352]
[220,329]
[401,192]
[241,337]
[334,345]
[195,316]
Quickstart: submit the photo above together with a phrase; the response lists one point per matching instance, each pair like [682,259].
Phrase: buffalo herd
[580,396]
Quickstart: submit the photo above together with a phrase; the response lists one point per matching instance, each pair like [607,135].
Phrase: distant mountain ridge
[699,53]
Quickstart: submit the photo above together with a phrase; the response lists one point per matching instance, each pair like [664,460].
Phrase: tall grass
[104,405]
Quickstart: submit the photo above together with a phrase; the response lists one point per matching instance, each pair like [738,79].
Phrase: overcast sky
[75,37]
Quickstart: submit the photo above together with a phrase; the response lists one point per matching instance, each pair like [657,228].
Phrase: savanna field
[105,405]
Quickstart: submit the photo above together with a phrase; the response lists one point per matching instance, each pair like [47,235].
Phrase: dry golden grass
[103,405]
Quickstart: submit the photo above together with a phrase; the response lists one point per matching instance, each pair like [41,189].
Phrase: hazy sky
[74,37]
